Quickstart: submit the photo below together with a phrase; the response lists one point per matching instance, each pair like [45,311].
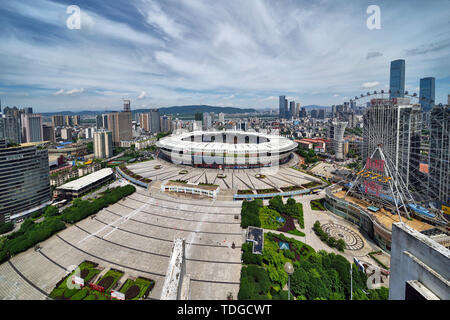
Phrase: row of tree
[31,233]
[81,209]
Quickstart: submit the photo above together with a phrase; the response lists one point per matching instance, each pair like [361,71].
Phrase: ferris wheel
[405,159]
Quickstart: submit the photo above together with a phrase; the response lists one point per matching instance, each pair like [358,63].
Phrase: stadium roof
[274,143]
[86,180]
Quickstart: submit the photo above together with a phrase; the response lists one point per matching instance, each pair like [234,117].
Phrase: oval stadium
[229,149]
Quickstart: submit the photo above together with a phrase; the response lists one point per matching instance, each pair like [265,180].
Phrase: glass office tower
[427,92]
[397,79]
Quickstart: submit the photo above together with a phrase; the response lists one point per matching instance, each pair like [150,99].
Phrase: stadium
[226,149]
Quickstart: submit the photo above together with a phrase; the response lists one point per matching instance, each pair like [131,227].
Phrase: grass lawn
[318,204]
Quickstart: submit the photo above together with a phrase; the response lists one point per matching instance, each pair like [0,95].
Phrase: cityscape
[162,173]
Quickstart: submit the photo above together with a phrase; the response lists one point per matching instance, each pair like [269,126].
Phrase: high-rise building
[24,181]
[99,122]
[12,129]
[314,113]
[397,79]
[68,121]
[126,106]
[2,128]
[207,121]
[166,123]
[303,113]
[66,134]
[439,155]
[321,114]
[395,125]
[427,93]
[48,133]
[297,111]
[222,117]
[336,133]
[155,121]
[144,121]
[120,124]
[103,145]
[76,120]
[89,133]
[283,107]
[58,121]
[31,127]
[291,109]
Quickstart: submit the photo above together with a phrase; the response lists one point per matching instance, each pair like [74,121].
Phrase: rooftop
[383,216]
[86,180]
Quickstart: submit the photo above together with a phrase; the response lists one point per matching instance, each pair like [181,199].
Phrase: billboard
[77,280]
[118,295]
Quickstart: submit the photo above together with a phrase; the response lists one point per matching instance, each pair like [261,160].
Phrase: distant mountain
[182,110]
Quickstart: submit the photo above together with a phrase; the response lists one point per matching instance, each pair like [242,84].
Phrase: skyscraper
[58,121]
[12,129]
[283,108]
[99,122]
[103,148]
[155,123]
[144,121]
[291,109]
[427,93]
[397,79]
[24,181]
[120,124]
[48,133]
[207,121]
[32,127]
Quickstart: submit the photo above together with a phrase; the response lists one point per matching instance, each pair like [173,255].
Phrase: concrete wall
[414,256]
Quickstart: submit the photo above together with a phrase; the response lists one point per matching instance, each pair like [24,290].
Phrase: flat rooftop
[384,217]
[86,180]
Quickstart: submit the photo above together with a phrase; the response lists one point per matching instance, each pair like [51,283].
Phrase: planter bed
[136,289]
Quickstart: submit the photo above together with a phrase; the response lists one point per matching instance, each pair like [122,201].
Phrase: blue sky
[226,53]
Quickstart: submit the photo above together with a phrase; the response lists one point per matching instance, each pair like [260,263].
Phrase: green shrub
[80,295]
[6,227]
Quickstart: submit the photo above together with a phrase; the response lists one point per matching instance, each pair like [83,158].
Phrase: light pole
[351,282]
[289,268]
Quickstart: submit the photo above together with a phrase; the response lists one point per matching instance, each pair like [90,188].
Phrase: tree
[340,244]
[277,204]
[7,227]
[51,211]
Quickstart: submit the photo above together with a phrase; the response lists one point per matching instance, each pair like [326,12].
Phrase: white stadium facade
[226,149]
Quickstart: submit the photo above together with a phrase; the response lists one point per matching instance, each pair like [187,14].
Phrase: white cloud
[201,52]
[143,95]
[368,85]
[74,91]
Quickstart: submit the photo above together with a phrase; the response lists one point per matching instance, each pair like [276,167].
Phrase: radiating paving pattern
[352,240]
[239,179]
[135,235]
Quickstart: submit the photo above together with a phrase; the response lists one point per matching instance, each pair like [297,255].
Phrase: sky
[223,53]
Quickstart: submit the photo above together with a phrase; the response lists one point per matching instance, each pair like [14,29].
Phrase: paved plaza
[135,235]
[237,179]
